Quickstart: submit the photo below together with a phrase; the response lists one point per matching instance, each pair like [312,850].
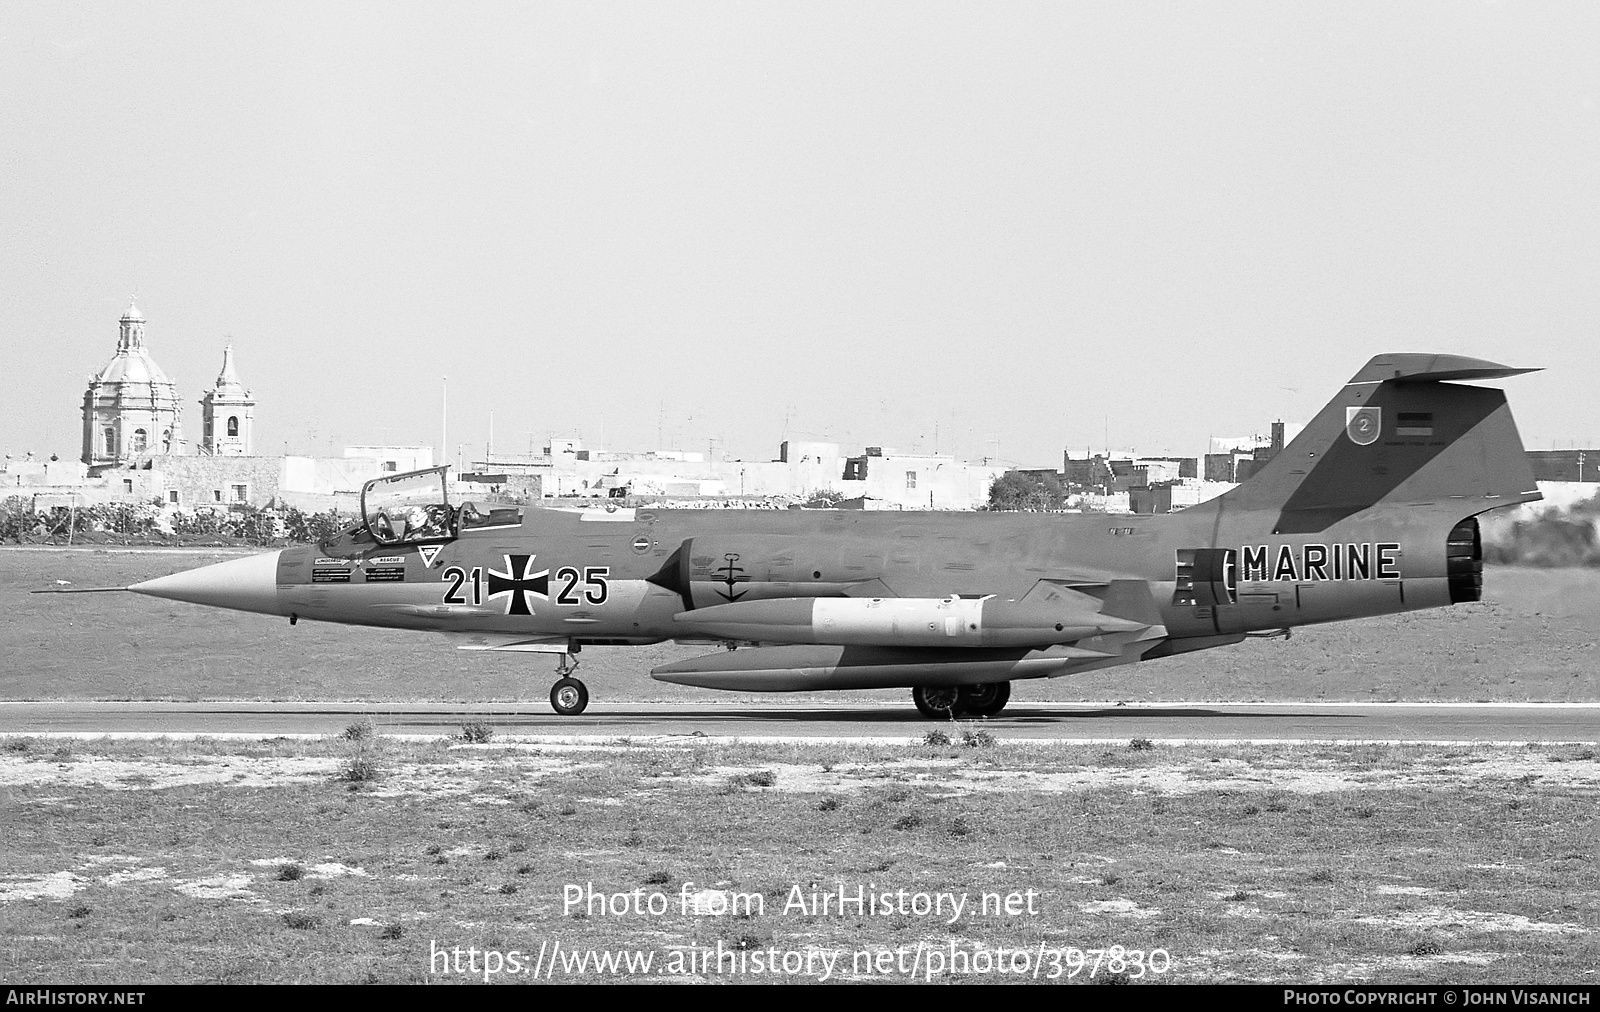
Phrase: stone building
[227,412]
[131,408]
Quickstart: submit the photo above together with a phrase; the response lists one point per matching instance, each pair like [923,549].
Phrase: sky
[994,230]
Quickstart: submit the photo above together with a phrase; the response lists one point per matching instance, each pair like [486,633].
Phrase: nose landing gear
[568,696]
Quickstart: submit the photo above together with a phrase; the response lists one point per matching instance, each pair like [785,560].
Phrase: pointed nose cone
[244,584]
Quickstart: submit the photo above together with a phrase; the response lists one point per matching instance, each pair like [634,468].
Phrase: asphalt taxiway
[1261,722]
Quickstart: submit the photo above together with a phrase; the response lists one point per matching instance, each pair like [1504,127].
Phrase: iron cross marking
[521,582]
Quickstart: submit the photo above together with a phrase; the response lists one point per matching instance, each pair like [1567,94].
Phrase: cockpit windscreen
[407,508]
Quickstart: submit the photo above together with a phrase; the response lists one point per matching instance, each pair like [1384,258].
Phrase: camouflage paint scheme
[1370,510]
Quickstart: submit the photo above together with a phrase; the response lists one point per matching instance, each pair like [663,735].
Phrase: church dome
[132,313]
[132,366]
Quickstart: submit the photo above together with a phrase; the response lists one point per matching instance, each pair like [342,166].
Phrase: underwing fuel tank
[900,621]
[802,668]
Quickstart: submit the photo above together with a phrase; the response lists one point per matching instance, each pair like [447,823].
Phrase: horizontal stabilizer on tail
[1414,368]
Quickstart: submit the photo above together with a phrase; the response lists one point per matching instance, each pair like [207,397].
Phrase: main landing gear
[946,702]
[568,696]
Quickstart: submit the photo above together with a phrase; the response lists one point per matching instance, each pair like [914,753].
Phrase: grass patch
[475,732]
[1147,851]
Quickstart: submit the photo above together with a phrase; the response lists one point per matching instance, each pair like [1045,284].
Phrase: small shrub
[1238,896]
[1141,744]
[1110,878]
[493,854]
[358,769]
[1322,875]
[755,778]
[526,869]
[977,739]
[508,888]
[476,733]
[937,739]
[79,912]
[433,849]
[633,839]
[290,872]
[656,878]
[299,921]
[911,820]
[828,804]
[361,731]
[17,744]
[959,826]
[392,932]
[1251,810]
[1426,947]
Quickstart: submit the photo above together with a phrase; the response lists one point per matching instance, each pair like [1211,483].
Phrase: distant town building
[1565,465]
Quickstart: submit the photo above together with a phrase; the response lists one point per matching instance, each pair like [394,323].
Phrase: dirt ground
[1531,639]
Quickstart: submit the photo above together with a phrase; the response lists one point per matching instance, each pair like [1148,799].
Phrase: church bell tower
[228,413]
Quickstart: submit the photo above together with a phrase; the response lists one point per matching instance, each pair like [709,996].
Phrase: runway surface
[1264,722]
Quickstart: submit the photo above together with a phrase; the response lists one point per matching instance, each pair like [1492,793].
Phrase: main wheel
[985,700]
[937,702]
[569,696]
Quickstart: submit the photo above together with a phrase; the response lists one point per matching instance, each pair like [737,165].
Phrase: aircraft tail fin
[1399,432]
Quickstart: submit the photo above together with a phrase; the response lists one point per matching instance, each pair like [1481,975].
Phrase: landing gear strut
[946,702]
[568,696]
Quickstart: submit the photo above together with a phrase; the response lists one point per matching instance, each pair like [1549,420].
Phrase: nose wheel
[568,696]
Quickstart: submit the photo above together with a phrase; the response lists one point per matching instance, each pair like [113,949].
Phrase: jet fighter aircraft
[1370,510]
